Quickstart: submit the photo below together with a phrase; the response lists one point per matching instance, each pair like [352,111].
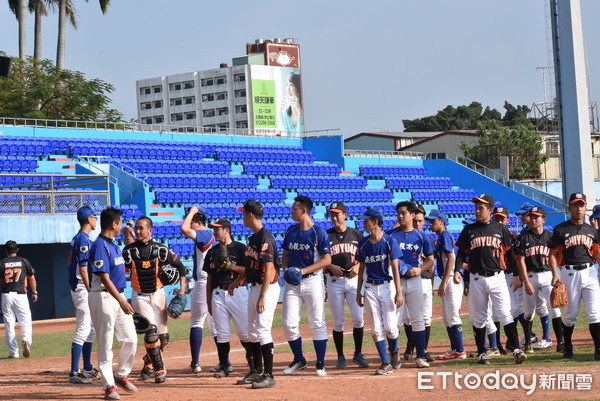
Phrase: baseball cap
[337,207]
[577,197]
[220,222]
[420,208]
[252,206]
[596,212]
[525,207]
[484,198]
[372,212]
[11,246]
[537,210]
[435,214]
[501,210]
[84,212]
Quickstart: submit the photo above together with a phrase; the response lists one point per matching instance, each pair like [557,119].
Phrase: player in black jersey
[226,293]
[15,271]
[342,283]
[262,271]
[486,242]
[538,272]
[576,247]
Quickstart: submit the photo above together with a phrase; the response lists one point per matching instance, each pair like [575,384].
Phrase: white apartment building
[218,99]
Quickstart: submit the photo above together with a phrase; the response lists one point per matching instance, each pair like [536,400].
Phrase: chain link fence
[52,194]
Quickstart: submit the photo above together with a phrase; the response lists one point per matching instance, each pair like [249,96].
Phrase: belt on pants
[377,282]
[487,274]
[13,292]
[581,266]
[120,290]
[222,287]
[308,275]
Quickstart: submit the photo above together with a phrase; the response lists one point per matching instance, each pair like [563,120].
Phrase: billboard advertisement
[277,100]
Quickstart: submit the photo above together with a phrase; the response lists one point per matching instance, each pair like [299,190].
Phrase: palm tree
[19,8]
[38,7]
[66,8]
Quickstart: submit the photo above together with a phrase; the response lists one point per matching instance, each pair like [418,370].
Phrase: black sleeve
[241,253]
[174,261]
[208,260]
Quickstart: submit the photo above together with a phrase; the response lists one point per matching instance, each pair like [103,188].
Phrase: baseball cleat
[568,352]
[92,373]
[13,356]
[251,377]
[542,344]
[196,368]
[360,360]
[125,384]
[395,359]
[384,369]
[520,356]
[146,373]
[341,362]
[26,349]
[461,355]
[422,363]
[266,381]
[79,378]
[559,347]
[501,350]
[483,359]
[216,368]
[222,372]
[294,367]
[111,393]
[160,376]
[428,357]
[448,355]
[492,352]
[321,369]
[529,349]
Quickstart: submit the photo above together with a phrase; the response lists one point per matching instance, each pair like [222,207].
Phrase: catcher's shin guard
[164,340]
[152,344]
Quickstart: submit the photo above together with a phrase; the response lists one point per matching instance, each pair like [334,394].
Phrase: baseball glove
[221,259]
[168,275]
[141,323]
[177,306]
[558,296]
[292,276]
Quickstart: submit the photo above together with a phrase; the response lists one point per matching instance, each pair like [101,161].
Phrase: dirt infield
[46,378]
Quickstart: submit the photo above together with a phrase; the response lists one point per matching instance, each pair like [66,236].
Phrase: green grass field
[59,343]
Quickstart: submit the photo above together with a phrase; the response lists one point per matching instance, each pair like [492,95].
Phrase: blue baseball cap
[84,212]
[436,214]
[525,207]
[596,212]
[372,212]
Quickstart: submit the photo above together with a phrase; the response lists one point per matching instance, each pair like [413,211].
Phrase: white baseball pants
[15,307]
[226,308]
[311,292]
[153,307]
[381,310]
[84,329]
[260,324]
[338,290]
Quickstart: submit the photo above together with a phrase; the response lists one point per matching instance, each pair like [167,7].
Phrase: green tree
[520,142]
[38,89]
[467,118]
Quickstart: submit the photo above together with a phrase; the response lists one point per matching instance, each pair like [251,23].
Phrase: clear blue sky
[366,65]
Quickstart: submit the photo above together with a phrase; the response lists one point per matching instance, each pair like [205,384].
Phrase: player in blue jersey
[306,249]
[378,255]
[417,255]
[194,227]
[450,292]
[80,285]
[110,311]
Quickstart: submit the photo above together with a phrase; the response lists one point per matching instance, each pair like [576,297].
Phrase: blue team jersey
[376,257]
[78,256]
[106,257]
[445,244]
[413,244]
[305,247]
[204,241]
